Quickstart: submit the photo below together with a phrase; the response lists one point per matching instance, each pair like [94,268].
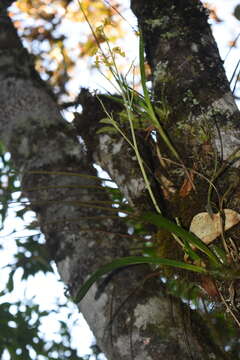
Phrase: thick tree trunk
[203,119]
[189,78]
[130,317]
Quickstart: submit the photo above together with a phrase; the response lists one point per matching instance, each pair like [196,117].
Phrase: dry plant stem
[127,101]
[222,221]
[140,162]
[65,173]
[229,309]
[116,125]
[197,173]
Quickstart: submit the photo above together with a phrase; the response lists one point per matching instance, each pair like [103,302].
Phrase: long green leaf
[133,260]
[161,222]
[143,81]
[149,106]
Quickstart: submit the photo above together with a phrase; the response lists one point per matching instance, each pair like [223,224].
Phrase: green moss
[165,246]
[171,35]
[162,22]
[158,332]
[161,73]
[190,99]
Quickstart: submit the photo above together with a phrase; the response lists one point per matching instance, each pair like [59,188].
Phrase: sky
[39,285]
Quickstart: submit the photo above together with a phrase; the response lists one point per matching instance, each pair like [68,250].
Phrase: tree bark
[131,317]
[189,77]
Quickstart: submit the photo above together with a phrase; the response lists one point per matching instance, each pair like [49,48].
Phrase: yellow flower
[118,50]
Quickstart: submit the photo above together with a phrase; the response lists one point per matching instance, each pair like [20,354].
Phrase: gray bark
[131,319]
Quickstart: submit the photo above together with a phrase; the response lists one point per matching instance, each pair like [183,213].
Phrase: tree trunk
[131,316]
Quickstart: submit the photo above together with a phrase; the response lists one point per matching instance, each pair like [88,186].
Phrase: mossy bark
[189,78]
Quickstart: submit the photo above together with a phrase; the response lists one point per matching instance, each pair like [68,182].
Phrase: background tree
[132,311]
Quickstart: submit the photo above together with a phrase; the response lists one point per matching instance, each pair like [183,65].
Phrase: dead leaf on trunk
[187,185]
[208,228]
[209,286]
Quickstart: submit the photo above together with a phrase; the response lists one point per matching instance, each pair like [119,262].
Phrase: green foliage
[188,238]
[21,320]
[184,289]
[17,335]
[161,222]
[133,260]
[21,337]
[32,257]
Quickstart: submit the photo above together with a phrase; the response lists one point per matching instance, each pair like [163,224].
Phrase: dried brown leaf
[187,185]
[208,228]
